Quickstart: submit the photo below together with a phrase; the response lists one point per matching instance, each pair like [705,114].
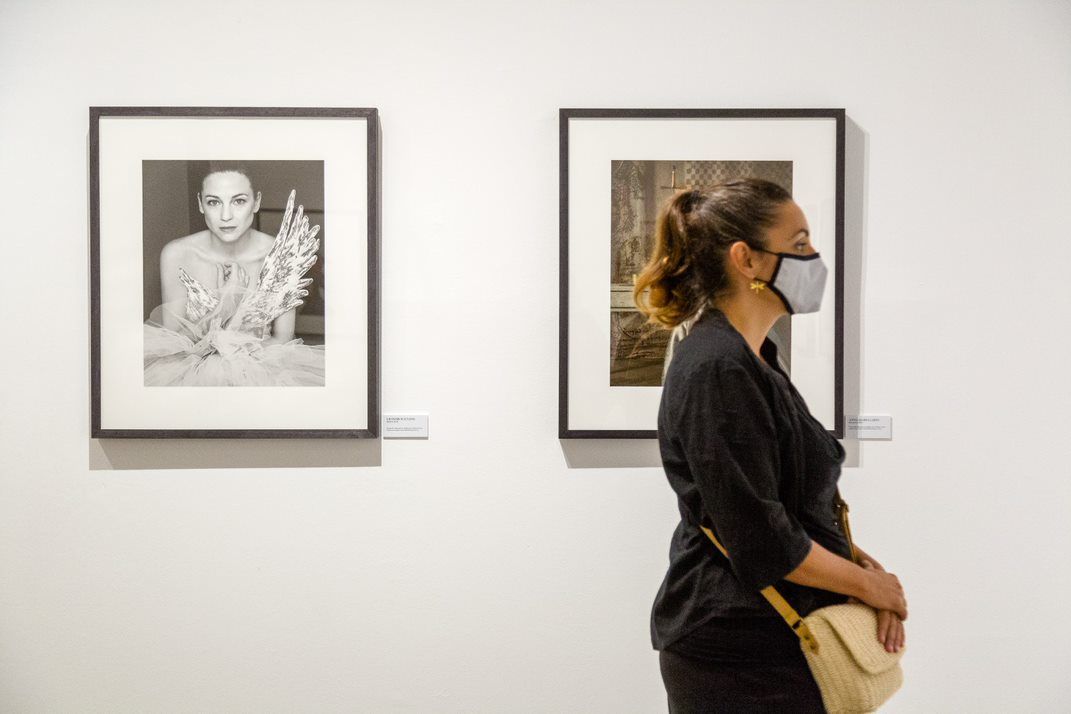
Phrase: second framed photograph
[234,272]
[618,168]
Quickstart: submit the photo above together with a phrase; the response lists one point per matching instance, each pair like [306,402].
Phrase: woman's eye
[240,201]
[213,202]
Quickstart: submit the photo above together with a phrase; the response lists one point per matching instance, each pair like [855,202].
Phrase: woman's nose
[226,214]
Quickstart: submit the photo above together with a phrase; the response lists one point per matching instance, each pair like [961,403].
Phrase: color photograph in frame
[618,168]
[234,272]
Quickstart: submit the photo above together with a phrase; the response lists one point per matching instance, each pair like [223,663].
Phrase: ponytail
[662,290]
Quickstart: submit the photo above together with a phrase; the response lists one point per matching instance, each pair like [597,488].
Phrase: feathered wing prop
[281,286]
[199,300]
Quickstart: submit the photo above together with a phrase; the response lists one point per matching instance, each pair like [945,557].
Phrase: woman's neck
[231,250]
[750,320]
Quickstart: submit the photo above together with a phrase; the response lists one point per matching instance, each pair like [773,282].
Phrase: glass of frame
[234,272]
[618,167]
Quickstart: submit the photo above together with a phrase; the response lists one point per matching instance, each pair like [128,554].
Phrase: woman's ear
[256,203]
[200,206]
[741,260]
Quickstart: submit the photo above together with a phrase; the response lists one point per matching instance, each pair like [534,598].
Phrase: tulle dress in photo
[215,338]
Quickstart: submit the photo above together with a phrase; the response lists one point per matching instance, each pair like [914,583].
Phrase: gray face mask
[799,280]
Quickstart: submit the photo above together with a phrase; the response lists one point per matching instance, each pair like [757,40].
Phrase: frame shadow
[167,454]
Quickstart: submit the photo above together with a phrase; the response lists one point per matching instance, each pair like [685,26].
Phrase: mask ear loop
[758,284]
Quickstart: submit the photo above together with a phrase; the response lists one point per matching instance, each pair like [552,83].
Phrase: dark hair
[694,231]
[236,167]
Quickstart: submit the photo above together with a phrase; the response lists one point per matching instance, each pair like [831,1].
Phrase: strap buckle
[804,633]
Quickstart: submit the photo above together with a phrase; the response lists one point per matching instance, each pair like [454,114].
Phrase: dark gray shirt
[747,459]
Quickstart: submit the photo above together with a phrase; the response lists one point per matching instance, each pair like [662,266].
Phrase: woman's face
[789,233]
[228,204]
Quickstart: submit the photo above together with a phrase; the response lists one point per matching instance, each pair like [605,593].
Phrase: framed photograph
[234,272]
[618,168]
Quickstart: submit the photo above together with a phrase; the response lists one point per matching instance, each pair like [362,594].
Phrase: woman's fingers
[896,636]
[901,606]
[891,621]
[890,631]
[902,612]
[885,623]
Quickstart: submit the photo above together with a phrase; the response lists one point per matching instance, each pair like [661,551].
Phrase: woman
[230,294]
[745,457]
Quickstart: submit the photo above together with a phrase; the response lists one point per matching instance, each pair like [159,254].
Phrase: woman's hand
[890,631]
[890,627]
[866,582]
[230,276]
[884,592]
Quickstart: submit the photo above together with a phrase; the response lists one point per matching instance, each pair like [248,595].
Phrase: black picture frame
[369,316]
[572,427]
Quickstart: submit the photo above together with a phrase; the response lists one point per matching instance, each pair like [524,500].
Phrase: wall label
[868,426]
[405,426]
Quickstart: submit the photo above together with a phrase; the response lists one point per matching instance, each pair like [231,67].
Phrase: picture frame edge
[566,114]
[374,197]
[563,276]
[107,434]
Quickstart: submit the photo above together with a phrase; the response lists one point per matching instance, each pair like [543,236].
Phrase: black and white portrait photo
[233,273]
[234,259]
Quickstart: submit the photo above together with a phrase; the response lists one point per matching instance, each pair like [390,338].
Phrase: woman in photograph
[230,293]
[746,458]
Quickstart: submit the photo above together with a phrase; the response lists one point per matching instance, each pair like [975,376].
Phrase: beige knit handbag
[852,669]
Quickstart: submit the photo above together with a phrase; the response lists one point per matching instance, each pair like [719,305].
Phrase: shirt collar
[768,349]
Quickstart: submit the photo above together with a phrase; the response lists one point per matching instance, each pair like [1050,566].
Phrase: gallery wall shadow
[164,454]
[856,192]
[610,453]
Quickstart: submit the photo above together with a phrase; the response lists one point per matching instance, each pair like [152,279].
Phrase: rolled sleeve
[728,436]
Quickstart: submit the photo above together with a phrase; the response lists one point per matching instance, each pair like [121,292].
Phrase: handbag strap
[842,517]
[779,603]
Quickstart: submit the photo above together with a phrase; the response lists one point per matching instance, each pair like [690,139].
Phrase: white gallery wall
[492,567]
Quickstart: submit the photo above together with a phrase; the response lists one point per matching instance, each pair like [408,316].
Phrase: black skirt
[746,665]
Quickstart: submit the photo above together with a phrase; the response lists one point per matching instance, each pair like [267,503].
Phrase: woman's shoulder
[716,359]
[712,343]
[175,249]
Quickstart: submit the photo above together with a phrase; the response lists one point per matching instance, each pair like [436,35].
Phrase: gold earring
[757,285]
